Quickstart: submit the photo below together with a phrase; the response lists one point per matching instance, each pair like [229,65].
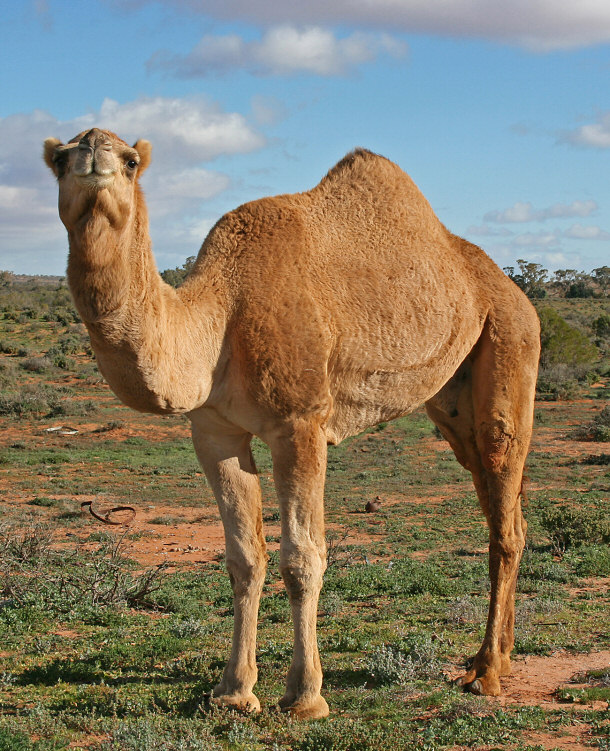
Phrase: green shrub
[31,399]
[11,740]
[562,343]
[8,372]
[569,527]
[590,560]
[597,430]
[414,658]
[559,381]
[347,735]
[36,364]
[187,628]
[601,326]
[8,348]
[143,734]
[34,576]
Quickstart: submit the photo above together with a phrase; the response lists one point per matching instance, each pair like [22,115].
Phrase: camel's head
[96,169]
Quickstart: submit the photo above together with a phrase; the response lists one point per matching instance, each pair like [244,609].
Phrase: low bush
[36,576]
[414,658]
[562,343]
[27,401]
[569,527]
[597,430]
[36,364]
[8,372]
[559,381]
[143,734]
[590,560]
[349,735]
[601,326]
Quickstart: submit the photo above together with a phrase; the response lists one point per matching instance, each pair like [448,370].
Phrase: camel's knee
[507,550]
[246,574]
[303,570]
[498,444]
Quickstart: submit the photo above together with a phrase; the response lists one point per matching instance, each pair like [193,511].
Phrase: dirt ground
[185,537]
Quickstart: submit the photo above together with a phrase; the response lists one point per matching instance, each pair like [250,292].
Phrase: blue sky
[498,109]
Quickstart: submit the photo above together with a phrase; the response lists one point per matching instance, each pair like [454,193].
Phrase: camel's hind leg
[486,412]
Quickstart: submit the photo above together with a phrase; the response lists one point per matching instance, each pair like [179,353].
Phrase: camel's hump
[353,161]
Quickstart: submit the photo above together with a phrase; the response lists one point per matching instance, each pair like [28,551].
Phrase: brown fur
[308,318]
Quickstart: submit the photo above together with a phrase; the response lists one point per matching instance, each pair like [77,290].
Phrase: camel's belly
[365,396]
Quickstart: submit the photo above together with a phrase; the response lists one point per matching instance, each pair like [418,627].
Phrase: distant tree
[562,279]
[176,276]
[582,287]
[531,278]
[6,278]
[572,283]
[602,279]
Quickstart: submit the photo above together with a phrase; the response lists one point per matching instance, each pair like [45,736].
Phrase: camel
[307,318]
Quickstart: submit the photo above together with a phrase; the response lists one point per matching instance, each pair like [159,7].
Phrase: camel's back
[408,301]
[353,291]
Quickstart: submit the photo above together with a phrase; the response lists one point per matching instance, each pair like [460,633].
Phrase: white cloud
[282,50]
[538,25]
[182,191]
[518,212]
[560,260]
[522,211]
[184,132]
[485,230]
[594,135]
[184,129]
[536,239]
[590,232]
[548,247]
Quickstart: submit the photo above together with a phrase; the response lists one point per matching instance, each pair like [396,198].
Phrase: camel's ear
[144,149]
[49,152]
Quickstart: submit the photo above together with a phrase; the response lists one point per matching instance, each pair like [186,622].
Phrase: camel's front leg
[229,467]
[299,466]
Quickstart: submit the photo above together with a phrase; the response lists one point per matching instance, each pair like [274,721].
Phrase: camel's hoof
[464,680]
[306,709]
[247,703]
[481,686]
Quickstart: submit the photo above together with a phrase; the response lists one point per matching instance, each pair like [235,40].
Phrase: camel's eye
[132,164]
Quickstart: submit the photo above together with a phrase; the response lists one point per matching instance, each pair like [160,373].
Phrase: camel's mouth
[95,180]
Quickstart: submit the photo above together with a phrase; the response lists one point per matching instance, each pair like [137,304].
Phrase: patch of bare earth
[535,681]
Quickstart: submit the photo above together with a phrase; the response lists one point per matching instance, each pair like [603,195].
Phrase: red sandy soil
[199,539]
[535,681]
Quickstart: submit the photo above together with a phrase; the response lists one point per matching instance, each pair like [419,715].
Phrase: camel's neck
[156,351]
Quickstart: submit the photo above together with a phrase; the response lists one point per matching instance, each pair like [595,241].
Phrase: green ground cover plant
[104,651]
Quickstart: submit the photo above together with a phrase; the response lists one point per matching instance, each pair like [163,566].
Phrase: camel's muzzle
[94,155]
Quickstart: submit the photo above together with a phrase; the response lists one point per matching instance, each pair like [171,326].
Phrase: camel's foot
[305,707]
[485,684]
[242,702]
